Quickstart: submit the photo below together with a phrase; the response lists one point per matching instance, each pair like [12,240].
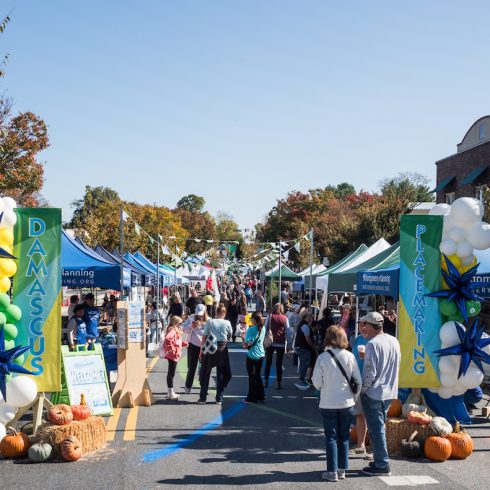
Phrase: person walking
[254,343]
[379,388]
[194,328]
[176,306]
[232,314]
[259,302]
[277,323]
[173,351]
[333,371]
[304,346]
[220,331]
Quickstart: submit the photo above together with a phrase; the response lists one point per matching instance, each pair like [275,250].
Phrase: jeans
[255,386]
[336,425]
[375,412]
[220,381]
[172,367]
[304,361]
[192,362]
[269,353]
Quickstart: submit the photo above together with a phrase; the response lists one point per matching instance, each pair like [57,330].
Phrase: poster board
[85,373]
[130,323]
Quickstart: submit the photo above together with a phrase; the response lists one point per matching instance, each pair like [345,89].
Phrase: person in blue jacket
[77,328]
[92,319]
[254,343]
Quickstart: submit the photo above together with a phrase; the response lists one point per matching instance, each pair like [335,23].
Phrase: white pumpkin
[440,426]
[412,407]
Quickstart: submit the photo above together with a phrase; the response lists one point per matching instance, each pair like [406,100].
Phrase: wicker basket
[398,429]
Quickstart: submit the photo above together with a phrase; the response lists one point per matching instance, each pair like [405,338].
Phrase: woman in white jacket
[336,399]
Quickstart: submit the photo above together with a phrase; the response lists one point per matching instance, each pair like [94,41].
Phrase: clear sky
[242,101]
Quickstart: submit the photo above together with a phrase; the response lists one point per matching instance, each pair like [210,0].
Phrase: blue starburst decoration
[470,349]
[461,287]
[6,364]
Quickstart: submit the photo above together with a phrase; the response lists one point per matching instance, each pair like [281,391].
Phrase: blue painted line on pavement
[152,456]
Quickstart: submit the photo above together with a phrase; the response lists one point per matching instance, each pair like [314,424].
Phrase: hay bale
[90,432]
[398,429]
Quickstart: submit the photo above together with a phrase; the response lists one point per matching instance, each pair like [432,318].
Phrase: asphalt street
[174,444]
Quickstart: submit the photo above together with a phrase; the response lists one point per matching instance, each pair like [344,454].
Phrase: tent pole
[121,247]
[157,335]
[311,267]
[357,317]
[280,265]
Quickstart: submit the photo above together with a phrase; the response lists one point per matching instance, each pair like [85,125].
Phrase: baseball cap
[200,310]
[373,317]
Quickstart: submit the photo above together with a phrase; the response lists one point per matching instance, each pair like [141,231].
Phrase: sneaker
[375,471]
[201,401]
[219,402]
[187,391]
[341,474]
[330,476]
[301,385]
[174,397]
[308,381]
[358,451]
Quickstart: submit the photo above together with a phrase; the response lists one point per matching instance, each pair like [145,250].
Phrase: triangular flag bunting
[297,247]
[137,229]
[125,215]
[166,250]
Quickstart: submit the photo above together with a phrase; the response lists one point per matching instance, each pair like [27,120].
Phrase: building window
[481,133]
[450,197]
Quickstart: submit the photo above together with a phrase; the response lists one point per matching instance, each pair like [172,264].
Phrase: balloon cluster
[463,232]
[22,390]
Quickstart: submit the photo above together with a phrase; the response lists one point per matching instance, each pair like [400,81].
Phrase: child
[173,350]
[77,328]
[242,324]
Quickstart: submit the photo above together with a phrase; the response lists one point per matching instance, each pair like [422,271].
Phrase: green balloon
[20,360]
[456,318]
[448,308]
[4,301]
[10,331]
[473,308]
[3,318]
[9,344]
[13,313]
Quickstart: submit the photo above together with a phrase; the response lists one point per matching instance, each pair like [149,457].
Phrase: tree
[191,203]
[3,25]
[226,228]
[22,138]
[197,225]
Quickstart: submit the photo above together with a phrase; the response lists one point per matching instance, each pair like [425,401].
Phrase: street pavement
[279,443]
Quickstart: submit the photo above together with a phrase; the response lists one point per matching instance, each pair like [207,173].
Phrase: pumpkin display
[412,407]
[40,452]
[440,426]
[60,414]
[420,418]
[14,444]
[437,448]
[395,409]
[81,411]
[411,447]
[71,449]
[461,443]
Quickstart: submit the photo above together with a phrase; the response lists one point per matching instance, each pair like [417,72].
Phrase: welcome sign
[37,292]
[419,320]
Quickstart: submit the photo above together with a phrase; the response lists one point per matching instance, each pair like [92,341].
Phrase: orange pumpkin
[395,409]
[15,445]
[437,448]
[461,443]
[420,418]
[82,411]
[60,414]
[71,449]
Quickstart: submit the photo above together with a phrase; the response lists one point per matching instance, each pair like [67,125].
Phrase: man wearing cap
[379,388]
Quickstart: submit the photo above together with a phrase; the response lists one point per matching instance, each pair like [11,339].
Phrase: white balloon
[9,203]
[448,379]
[448,365]
[7,413]
[447,223]
[464,250]
[466,210]
[445,392]
[448,247]
[448,335]
[3,432]
[472,378]
[21,391]
[478,234]
[459,389]
[467,260]
[457,233]
[9,219]
[441,209]
[433,390]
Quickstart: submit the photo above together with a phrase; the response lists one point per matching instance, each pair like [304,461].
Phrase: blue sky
[243,101]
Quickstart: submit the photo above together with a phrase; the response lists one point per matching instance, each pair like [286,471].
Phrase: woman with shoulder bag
[337,377]
[214,353]
[254,343]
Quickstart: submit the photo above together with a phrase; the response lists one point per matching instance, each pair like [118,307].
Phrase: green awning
[473,175]
[444,183]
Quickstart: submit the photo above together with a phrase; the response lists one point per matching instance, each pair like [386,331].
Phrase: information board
[85,374]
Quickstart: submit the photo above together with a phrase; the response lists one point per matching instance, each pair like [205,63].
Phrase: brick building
[466,172]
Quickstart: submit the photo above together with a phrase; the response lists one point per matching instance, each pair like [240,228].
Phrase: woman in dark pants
[232,315]
[277,322]
[254,343]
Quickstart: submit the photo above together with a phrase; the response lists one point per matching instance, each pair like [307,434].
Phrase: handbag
[352,382]
[211,344]
[269,338]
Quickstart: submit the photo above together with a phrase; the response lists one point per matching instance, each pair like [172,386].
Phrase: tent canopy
[80,268]
[286,274]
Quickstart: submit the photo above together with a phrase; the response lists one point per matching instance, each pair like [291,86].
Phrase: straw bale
[90,432]
[398,429]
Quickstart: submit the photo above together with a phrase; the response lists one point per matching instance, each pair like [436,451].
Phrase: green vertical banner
[419,320]
[37,292]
